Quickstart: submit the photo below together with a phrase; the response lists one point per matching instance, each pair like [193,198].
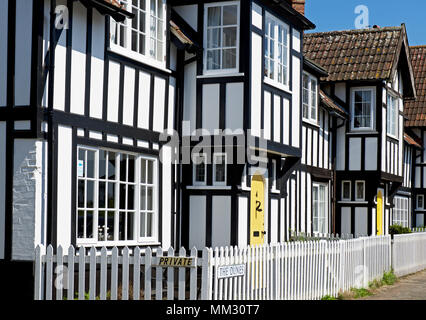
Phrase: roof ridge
[394,28]
[419,46]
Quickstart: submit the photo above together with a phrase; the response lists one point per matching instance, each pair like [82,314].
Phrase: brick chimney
[298,5]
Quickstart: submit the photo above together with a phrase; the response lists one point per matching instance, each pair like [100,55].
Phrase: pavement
[412,287]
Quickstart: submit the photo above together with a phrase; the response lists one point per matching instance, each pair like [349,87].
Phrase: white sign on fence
[231,271]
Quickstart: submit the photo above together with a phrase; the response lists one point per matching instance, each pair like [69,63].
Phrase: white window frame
[127,51]
[267,79]
[219,183]
[401,211]
[326,207]
[237,62]
[356,190]
[420,196]
[310,104]
[372,110]
[137,240]
[395,113]
[194,169]
[350,190]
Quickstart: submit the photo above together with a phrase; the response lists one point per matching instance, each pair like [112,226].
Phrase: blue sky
[329,15]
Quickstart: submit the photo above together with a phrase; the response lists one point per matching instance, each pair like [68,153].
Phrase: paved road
[412,287]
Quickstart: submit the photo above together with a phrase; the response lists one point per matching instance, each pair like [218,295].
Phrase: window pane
[131,175]
[143,171]
[123,196]
[213,59]
[89,224]
[81,192]
[130,226]
[143,225]
[111,166]
[102,164]
[346,190]
[230,37]
[80,224]
[213,38]
[230,14]
[111,195]
[150,172]
[213,16]
[90,194]
[101,226]
[360,190]
[229,59]
[123,168]
[143,198]
[110,226]
[149,224]
[131,197]
[150,198]
[90,164]
[220,169]
[102,194]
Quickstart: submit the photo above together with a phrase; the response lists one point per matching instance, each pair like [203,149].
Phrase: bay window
[392,116]
[142,37]
[116,200]
[277,51]
[221,37]
[319,208]
[310,98]
[363,108]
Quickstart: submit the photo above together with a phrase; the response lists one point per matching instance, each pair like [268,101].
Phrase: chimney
[298,5]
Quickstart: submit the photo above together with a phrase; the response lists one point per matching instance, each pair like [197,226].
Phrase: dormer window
[221,37]
[310,98]
[143,37]
[277,52]
[363,105]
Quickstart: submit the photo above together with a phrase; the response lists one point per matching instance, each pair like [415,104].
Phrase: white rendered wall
[64,180]
[28,213]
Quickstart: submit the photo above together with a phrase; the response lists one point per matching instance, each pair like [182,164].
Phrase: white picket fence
[288,271]
[114,276]
[409,253]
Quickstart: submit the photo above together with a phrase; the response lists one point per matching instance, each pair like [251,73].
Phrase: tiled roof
[330,104]
[367,54]
[411,141]
[415,110]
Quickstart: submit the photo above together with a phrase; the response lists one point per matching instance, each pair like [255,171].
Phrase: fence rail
[304,270]
[409,253]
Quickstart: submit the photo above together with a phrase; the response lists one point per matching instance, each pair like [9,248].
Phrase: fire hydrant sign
[231,271]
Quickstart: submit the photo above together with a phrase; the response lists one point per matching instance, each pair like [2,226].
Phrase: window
[363,105]
[277,51]
[144,35]
[310,105]
[274,175]
[221,37]
[200,169]
[319,208]
[346,190]
[219,169]
[420,201]
[360,190]
[392,116]
[400,211]
[116,197]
